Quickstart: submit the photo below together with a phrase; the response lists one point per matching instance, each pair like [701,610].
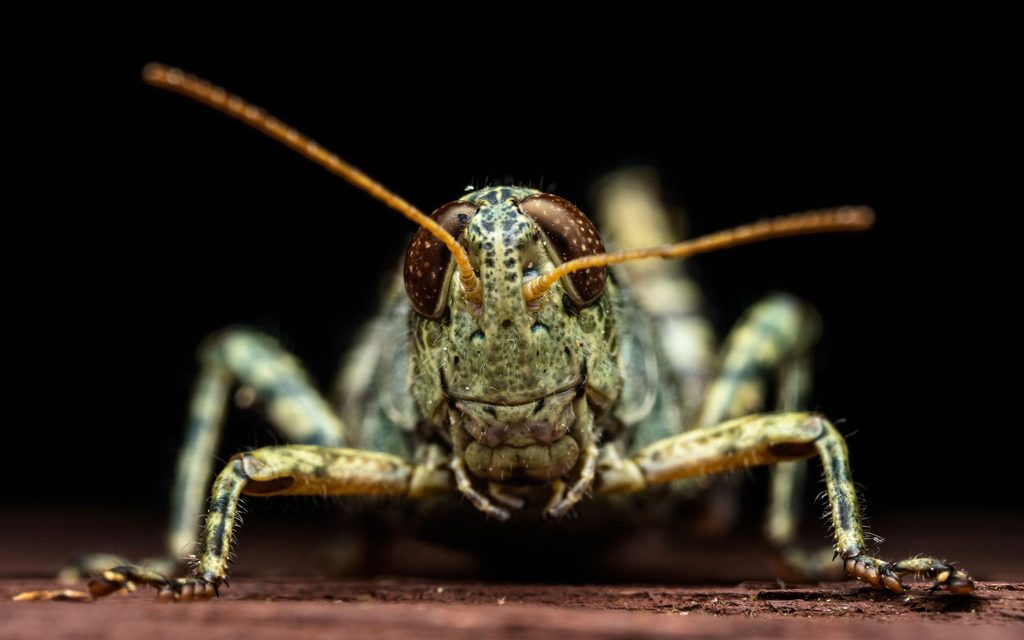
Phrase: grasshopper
[519,372]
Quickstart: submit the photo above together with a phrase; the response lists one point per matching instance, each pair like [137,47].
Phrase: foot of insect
[784,437]
[887,575]
[126,578]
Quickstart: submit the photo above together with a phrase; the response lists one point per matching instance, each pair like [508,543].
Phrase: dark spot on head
[539,405]
[477,335]
[506,323]
[455,361]
[510,262]
[491,410]
[568,306]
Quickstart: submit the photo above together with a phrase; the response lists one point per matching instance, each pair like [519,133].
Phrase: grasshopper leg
[270,376]
[632,213]
[776,336]
[788,480]
[266,373]
[773,338]
[783,437]
[271,471]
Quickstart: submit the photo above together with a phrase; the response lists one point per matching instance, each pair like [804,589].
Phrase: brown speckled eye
[569,235]
[428,263]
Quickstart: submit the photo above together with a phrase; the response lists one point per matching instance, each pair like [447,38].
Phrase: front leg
[271,471]
[768,439]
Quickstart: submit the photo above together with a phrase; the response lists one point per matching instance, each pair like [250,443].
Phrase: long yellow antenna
[211,95]
[821,221]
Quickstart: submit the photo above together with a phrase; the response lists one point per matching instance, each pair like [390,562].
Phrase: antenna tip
[157,74]
[857,218]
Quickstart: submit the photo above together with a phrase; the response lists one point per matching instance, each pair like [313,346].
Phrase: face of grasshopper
[505,379]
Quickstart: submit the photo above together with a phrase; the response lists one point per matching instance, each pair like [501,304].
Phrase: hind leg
[264,373]
[773,339]
[788,480]
[775,336]
[631,213]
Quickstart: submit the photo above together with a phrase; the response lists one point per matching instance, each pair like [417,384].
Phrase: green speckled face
[503,375]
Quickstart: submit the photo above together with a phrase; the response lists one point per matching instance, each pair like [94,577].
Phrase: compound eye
[569,235]
[428,262]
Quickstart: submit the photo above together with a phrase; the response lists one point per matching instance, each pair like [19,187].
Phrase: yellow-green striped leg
[787,489]
[271,471]
[772,339]
[783,437]
[774,336]
[265,374]
[773,333]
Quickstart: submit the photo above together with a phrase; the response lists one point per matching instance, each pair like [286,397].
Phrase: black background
[152,221]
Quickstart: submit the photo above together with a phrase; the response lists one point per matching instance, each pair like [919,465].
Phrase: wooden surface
[265,602]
